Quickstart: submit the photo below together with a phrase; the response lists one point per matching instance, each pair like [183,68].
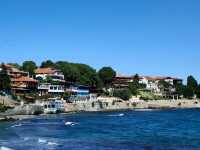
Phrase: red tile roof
[25,79]
[154,78]
[13,68]
[45,71]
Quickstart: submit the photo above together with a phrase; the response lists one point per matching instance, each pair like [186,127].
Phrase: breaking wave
[117,115]
[5,148]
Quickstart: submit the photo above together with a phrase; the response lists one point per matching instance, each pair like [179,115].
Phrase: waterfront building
[49,88]
[51,105]
[122,81]
[23,84]
[78,90]
[152,84]
[20,80]
[55,86]
[14,72]
[80,93]
[54,74]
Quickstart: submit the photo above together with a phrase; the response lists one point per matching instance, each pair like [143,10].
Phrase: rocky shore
[114,104]
[101,104]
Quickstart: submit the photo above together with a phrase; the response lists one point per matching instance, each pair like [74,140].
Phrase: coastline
[112,105]
[107,105]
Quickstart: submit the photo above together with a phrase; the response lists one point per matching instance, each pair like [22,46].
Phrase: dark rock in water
[8,119]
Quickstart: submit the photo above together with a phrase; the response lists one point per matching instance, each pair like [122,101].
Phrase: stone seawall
[112,105]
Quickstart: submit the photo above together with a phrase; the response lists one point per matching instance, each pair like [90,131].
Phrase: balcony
[51,88]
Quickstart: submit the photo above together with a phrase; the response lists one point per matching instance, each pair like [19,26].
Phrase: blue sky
[154,37]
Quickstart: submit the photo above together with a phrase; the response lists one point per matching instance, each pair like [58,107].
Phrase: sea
[125,130]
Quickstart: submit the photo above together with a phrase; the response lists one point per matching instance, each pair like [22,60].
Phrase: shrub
[124,94]
[66,95]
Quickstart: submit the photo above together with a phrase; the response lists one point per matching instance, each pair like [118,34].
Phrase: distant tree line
[74,73]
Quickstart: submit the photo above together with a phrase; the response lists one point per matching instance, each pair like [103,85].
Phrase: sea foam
[52,143]
[68,123]
[40,140]
[117,115]
[16,125]
[5,148]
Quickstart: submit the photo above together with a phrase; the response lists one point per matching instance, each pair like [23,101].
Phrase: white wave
[52,143]
[40,140]
[17,125]
[26,138]
[5,148]
[68,123]
[145,109]
[117,115]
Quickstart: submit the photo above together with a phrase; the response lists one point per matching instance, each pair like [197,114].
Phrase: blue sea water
[126,130]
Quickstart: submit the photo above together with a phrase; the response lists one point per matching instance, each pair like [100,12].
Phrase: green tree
[29,66]
[188,93]
[79,73]
[49,79]
[4,79]
[135,85]
[180,89]
[163,84]
[198,91]
[71,72]
[192,83]
[40,79]
[107,75]
[66,95]
[124,94]
[48,63]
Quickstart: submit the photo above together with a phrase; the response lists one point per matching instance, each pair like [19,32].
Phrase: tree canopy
[29,66]
[124,94]
[164,85]
[192,83]
[47,63]
[188,92]
[4,79]
[107,75]
[79,73]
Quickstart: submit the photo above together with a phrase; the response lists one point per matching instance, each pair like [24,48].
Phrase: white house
[152,83]
[45,88]
[57,87]
[55,74]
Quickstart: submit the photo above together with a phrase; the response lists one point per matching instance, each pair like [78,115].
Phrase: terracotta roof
[25,79]
[118,75]
[13,68]
[154,78]
[45,71]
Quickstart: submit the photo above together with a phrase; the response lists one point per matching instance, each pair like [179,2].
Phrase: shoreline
[106,105]
[24,117]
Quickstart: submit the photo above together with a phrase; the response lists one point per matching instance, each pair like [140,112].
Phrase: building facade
[20,80]
[54,86]
[153,83]
[54,74]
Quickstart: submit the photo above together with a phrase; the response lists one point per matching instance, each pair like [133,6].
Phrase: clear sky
[149,37]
